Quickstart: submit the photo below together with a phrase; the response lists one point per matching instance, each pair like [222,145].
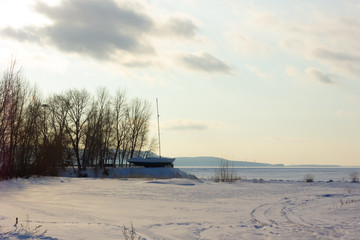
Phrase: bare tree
[57,109]
[28,147]
[108,134]
[103,125]
[153,145]
[13,95]
[78,102]
[120,125]
[90,140]
[35,135]
[138,115]
[98,131]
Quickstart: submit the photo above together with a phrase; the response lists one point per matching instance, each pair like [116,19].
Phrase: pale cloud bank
[311,34]
[189,125]
[129,33]
[179,28]
[319,75]
[336,56]
[205,62]
[101,29]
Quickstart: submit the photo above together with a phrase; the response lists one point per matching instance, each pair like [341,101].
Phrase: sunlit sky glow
[265,81]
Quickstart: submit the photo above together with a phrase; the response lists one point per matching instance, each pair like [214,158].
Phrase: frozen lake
[293,174]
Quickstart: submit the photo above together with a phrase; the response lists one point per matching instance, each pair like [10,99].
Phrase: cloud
[205,62]
[101,29]
[24,35]
[188,125]
[316,34]
[335,55]
[96,28]
[138,64]
[179,28]
[319,75]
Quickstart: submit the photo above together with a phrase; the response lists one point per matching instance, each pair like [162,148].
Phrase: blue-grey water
[268,174]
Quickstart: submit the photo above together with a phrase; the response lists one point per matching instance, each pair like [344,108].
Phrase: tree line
[40,135]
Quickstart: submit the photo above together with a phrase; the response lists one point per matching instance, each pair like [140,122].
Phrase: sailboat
[154,161]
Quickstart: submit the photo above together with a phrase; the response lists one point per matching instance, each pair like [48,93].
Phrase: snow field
[85,208]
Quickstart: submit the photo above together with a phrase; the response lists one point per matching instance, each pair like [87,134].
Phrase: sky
[265,81]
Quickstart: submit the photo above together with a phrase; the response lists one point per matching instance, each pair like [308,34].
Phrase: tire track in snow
[180,230]
[259,216]
[282,216]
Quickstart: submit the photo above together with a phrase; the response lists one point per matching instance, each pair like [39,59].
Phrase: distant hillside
[215,162]
[313,166]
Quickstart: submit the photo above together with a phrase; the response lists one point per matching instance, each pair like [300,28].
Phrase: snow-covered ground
[88,208]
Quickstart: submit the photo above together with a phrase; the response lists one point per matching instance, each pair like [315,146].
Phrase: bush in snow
[354,176]
[225,174]
[130,234]
[309,178]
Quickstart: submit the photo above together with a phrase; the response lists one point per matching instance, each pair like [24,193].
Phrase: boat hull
[152,162]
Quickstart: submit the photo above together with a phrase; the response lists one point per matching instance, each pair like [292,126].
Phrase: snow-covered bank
[88,208]
[136,172]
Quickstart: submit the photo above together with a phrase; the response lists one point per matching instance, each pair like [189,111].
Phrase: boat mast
[158,116]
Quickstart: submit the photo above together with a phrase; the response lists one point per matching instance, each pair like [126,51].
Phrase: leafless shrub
[309,178]
[225,174]
[130,234]
[354,177]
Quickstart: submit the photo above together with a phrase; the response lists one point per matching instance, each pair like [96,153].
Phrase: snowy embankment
[88,208]
[135,172]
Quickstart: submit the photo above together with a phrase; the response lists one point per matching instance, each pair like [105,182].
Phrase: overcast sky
[265,81]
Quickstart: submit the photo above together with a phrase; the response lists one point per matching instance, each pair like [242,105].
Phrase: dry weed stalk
[24,230]
[130,234]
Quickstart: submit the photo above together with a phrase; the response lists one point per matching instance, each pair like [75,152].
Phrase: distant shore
[215,162]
